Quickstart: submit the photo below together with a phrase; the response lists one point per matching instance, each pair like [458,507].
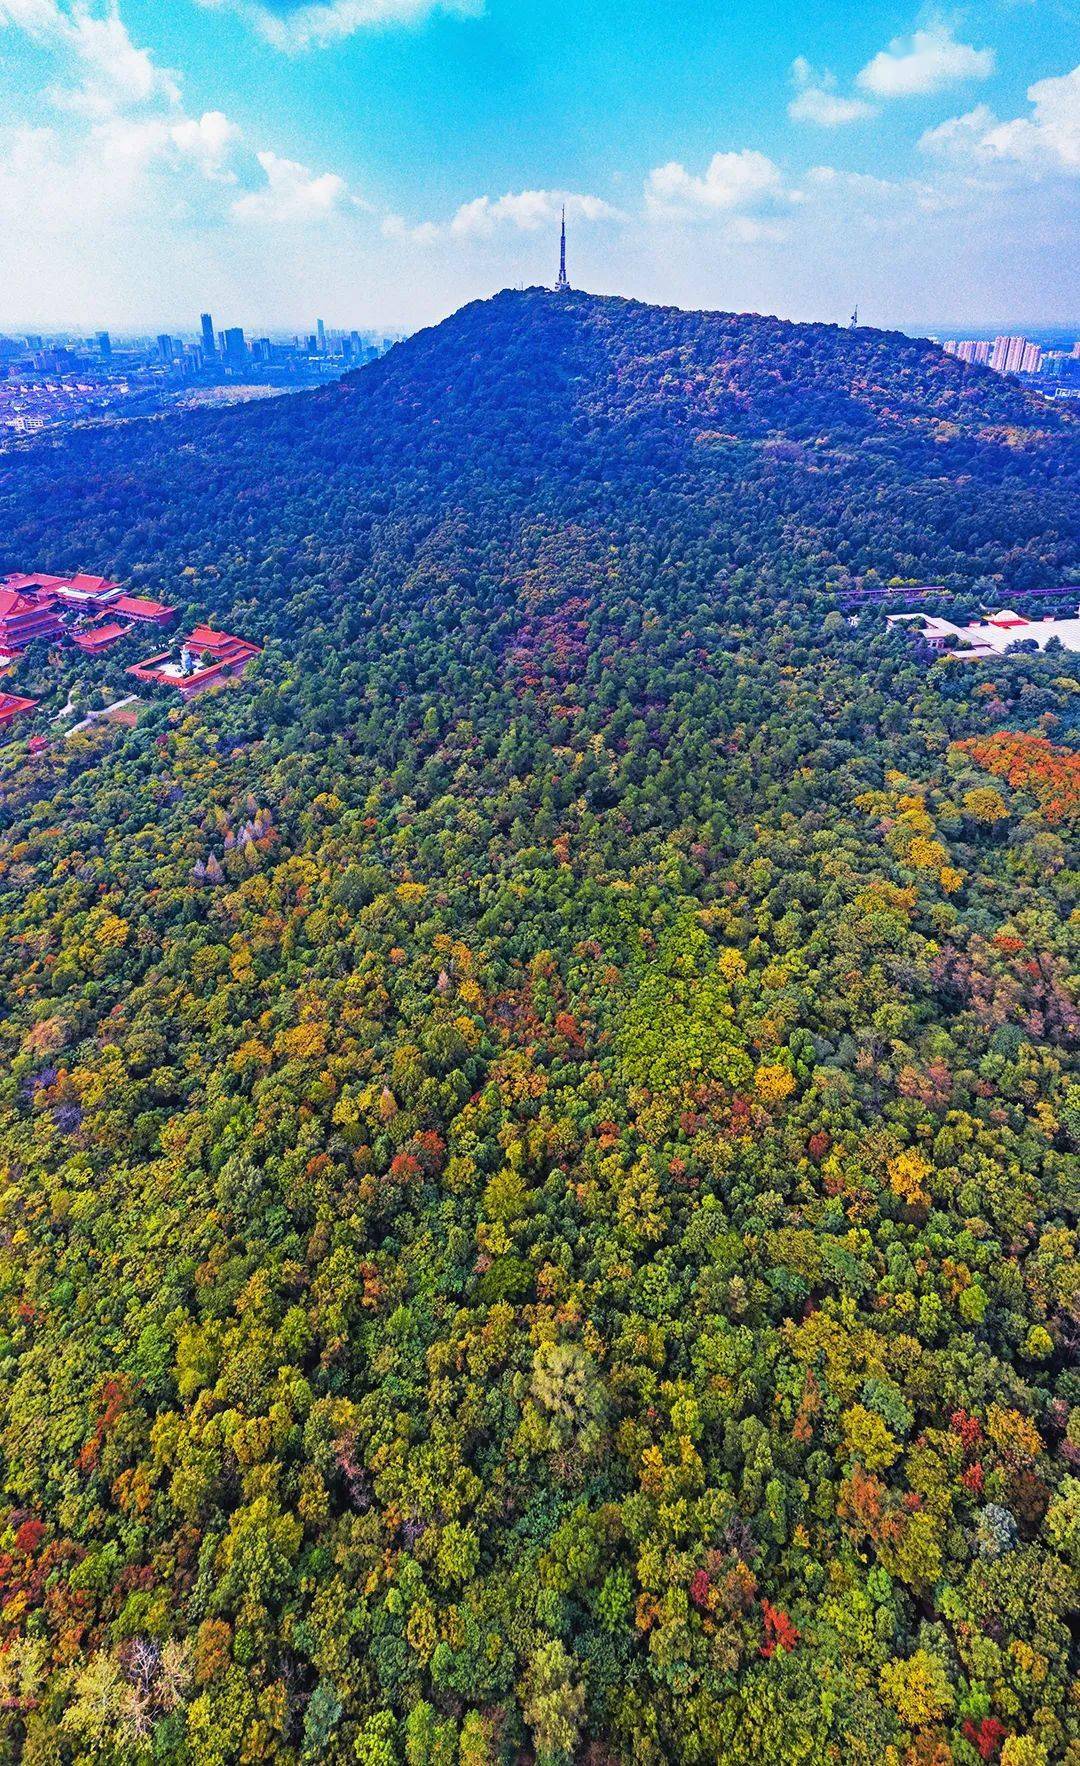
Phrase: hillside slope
[538,1133]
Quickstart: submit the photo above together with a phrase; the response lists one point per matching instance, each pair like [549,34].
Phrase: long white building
[989,637]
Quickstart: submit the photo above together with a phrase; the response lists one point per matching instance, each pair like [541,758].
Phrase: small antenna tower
[562,286]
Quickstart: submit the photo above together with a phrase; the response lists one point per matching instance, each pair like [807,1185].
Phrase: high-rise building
[235,349]
[104,344]
[968,349]
[1015,355]
[206,324]
[165,347]
[321,330]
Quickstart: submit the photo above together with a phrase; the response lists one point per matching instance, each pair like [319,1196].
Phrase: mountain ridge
[545,403]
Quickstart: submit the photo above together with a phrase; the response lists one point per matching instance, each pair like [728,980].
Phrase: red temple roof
[99,637]
[80,583]
[90,585]
[139,607]
[222,646]
[18,581]
[11,707]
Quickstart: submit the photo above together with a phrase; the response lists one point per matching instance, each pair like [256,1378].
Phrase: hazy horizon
[277,329]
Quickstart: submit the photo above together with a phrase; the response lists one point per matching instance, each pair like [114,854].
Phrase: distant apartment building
[1006,355]
[1015,355]
[970,349]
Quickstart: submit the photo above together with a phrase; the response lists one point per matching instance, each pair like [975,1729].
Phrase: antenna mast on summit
[562,286]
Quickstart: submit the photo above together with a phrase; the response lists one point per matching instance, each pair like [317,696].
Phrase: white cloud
[321,22]
[31,159]
[207,140]
[110,71]
[121,148]
[929,61]
[528,210]
[520,211]
[120,206]
[1046,141]
[117,74]
[130,149]
[395,226]
[291,193]
[876,204]
[817,101]
[732,182]
[960,137]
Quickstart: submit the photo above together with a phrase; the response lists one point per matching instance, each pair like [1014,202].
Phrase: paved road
[94,717]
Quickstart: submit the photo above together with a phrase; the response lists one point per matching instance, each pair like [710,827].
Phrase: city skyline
[392,159]
[50,380]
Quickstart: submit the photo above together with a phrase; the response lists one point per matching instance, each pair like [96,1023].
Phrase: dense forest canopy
[538,1133]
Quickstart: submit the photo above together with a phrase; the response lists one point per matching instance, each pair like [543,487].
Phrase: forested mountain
[538,1133]
[797,447]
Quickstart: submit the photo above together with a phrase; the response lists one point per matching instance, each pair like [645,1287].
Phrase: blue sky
[377,162]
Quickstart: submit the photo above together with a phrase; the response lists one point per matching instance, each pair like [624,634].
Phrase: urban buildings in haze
[47,382]
[1006,355]
[1051,363]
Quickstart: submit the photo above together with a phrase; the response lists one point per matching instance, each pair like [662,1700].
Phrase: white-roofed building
[992,636]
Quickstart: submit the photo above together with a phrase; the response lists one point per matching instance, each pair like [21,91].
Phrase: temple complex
[93,614]
[207,658]
[91,610]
